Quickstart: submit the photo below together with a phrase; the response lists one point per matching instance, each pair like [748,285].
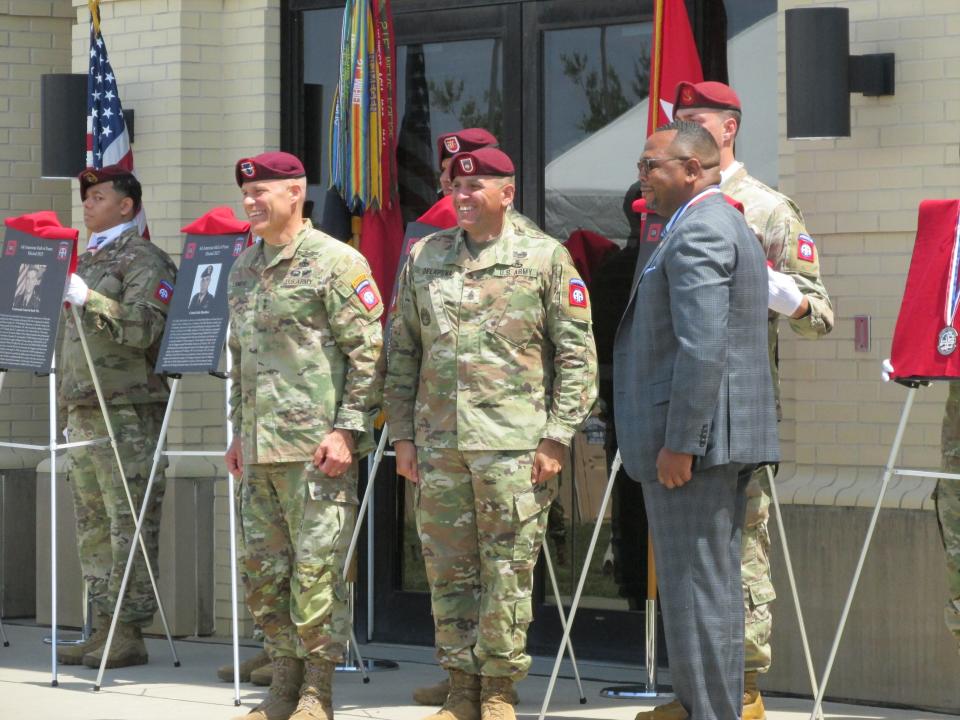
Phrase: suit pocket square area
[649,269]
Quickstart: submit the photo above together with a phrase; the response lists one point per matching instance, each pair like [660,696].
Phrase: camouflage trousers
[481,523]
[105,524]
[294,540]
[947,497]
[758,590]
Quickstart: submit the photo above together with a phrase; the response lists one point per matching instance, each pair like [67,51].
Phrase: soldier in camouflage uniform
[947,498]
[122,289]
[306,340]
[491,370]
[443,216]
[796,291]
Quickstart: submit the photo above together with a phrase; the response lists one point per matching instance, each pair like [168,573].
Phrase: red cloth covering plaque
[917,351]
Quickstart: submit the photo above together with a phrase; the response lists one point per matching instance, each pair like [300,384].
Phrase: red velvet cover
[219,221]
[46,225]
[441,215]
[914,350]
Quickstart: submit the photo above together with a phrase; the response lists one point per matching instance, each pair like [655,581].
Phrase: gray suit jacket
[690,365]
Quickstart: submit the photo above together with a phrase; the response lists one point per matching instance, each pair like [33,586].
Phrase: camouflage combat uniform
[306,340]
[131,282]
[947,497]
[487,356]
[778,223]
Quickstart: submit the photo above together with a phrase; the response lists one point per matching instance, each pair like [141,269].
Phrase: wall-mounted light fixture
[821,73]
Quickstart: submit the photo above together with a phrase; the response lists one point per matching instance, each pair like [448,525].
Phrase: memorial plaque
[198,316]
[33,274]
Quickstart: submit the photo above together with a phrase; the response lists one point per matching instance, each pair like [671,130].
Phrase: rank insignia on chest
[578,293]
[806,250]
[365,291]
[164,292]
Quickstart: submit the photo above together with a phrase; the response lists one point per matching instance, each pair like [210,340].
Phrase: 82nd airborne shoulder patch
[164,292]
[577,293]
[806,250]
[366,292]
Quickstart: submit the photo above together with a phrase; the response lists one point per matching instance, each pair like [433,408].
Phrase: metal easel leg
[234,624]
[123,478]
[563,617]
[3,635]
[363,666]
[579,591]
[793,585]
[888,472]
[53,523]
[137,537]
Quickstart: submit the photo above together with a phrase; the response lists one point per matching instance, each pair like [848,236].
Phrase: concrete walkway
[160,691]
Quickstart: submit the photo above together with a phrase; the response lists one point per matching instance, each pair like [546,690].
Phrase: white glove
[886,370]
[76,291]
[783,295]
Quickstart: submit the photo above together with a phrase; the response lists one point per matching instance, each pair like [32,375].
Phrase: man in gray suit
[695,411]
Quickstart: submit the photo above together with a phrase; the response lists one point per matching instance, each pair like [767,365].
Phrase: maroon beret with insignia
[94,176]
[709,94]
[269,166]
[485,161]
[466,140]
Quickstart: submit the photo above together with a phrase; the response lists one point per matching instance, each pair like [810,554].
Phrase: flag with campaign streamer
[673,60]
[108,141]
[363,126]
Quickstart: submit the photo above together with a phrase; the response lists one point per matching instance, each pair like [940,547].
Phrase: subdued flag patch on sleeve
[806,250]
[577,293]
[164,292]
[366,292]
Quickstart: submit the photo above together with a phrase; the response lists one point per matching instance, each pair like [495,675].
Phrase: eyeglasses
[645,165]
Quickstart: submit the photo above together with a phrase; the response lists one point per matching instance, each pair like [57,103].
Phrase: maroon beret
[485,161]
[269,166]
[467,140]
[94,176]
[707,94]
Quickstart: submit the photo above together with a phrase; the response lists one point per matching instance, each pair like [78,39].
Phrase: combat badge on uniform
[364,290]
[806,250]
[164,292]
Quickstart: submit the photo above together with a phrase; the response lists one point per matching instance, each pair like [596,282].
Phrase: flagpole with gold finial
[94,6]
[653,102]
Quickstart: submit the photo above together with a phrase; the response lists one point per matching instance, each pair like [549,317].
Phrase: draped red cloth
[914,351]
[441,214]
[218,221]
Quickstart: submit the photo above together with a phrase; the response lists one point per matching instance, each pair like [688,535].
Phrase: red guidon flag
[925,340]
[674,58]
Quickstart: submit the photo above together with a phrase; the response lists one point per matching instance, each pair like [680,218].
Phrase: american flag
[108,142]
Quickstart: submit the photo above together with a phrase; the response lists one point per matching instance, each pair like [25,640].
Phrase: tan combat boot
[436,694]
[316,693]
[284,691]
[262,676]
[494,704]
[752,702]
[126,649]
[432,694]
[463,700]
[670,711]
[225,672]
[73,654]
